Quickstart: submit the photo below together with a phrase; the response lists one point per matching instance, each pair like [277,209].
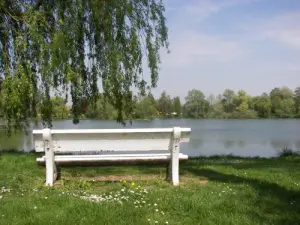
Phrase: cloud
[191,47]
[203,9]
[258,52]
[284,28]
[190,43]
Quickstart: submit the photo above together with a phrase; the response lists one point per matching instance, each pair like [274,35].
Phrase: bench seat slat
[69,159]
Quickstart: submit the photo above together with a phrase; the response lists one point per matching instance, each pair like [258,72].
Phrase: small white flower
[1,196]
[167,222]
[35,207]
[156,221]
[46,197]
[155,204]
[148,219]
[156,210]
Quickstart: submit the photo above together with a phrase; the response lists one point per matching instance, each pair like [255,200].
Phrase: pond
[264,138]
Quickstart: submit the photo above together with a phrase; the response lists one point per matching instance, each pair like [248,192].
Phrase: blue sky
[252,45]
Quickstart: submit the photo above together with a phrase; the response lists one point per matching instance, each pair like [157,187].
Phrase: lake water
[264,138]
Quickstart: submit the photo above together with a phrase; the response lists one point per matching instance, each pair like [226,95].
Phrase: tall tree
[164,104]
[196,106]
[283,103]
[60,110]
[262,105]
[215,106]
[211,99]
[1,83]
[44,46]
[219,98]
[152,99]
[276,97]
[145,108]
[177,106]
[228,98]
[101,109]
[241,102]
[297,100]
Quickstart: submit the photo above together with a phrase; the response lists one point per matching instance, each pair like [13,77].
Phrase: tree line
[279,103]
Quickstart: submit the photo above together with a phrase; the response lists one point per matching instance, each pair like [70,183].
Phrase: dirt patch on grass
[117,178]
[191,180]
[184,180]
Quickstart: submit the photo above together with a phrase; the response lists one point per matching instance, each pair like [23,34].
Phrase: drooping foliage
[74,47]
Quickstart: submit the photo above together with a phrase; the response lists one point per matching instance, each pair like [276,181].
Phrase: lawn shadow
[289,162]
[273,199]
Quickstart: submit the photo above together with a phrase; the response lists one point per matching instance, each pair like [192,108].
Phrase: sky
[251,45]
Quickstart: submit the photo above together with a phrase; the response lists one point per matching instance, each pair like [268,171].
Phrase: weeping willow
[75,48]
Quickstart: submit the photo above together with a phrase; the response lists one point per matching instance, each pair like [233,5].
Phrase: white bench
[63,142]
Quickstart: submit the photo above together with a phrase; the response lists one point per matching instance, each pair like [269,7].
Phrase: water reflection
[241,143]
[196,143]
[279,145]
[228,144]
[17,141]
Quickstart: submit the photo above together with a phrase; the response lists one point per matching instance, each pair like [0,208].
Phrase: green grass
[217,190]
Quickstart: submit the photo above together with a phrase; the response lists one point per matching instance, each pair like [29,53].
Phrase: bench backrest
[110,139]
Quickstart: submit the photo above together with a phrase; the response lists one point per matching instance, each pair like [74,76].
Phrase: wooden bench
[63,147]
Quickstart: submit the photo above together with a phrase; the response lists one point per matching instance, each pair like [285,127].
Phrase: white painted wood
[169,139]
[110,139]
[112,158]
[112,131]
[51,171]
[175,143]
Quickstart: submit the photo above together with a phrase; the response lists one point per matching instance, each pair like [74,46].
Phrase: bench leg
[51,170]
[174,165]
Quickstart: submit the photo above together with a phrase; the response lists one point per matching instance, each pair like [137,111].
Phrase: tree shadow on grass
[265,165]
[287,163]
[274,201]
[114,169]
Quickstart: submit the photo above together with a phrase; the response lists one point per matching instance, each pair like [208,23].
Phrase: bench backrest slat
[110,139]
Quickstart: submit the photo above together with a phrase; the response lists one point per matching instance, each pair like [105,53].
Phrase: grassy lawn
[212,191]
